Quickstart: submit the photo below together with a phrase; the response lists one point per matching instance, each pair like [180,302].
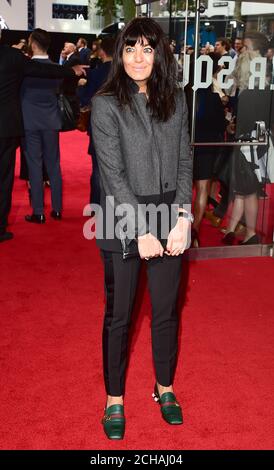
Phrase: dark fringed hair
[162,85]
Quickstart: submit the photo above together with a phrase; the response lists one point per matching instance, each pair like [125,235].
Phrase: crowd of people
[220,118]
[39,115]
[139,143]
[18,99]
[229,115]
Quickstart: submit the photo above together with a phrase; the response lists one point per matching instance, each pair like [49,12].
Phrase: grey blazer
[139,157]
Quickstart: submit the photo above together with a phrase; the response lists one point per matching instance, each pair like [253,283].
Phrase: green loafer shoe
[114,422]
[170,408]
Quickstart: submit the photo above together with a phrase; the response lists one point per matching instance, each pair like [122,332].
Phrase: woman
[95,60]
[140,132]
[210,127]
[252,105]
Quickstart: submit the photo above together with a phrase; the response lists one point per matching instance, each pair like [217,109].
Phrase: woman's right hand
[149,246]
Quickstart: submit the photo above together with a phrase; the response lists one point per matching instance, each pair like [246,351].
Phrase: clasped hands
[150,247]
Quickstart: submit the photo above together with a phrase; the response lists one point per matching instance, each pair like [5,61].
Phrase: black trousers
[7,164]
[121,279]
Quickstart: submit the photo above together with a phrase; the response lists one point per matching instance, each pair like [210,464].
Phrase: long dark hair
[161,85]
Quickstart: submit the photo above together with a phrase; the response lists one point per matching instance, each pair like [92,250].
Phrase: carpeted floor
[52,393]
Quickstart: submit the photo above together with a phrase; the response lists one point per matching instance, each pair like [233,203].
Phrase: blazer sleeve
[73,60]
[34,68]
[105,135]
[185,168]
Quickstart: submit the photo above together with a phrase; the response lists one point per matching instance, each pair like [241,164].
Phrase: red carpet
[52,392]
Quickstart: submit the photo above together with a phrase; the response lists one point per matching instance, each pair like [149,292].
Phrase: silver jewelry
[186,215]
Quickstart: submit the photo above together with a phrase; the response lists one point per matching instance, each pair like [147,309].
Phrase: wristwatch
[186,215]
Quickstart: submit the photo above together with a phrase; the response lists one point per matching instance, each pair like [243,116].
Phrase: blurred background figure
[24,172]
[210,127]
[238,46]
[63,57]
[172,45]
[222,47]
[70,54]
[69,86]
[83,50]
[42,123]
[252,105]
[95,79]
[94,57]
[189,50]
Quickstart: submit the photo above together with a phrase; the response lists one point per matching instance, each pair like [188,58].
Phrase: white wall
[248,8]
[255,8]
[16,16]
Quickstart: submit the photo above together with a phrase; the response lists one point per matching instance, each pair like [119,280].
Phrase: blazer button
[166,185]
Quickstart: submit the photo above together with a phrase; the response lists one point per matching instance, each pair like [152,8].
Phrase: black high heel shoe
[114,422]
[229,238]
[254,240]
[170,408]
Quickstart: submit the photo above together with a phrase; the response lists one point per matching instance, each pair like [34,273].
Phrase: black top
[210,120]
[84,55]
[95,79]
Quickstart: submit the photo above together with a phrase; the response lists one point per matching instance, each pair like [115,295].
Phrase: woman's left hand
[177,240]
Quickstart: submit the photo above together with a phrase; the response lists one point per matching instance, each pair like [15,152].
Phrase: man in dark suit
[95,79]
[83,50]
[69,87]
[13,67]
[42,122]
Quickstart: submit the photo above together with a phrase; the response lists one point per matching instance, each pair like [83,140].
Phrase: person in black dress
[210,127]
[252,105]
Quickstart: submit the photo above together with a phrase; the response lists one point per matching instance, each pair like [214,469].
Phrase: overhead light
[207,23]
